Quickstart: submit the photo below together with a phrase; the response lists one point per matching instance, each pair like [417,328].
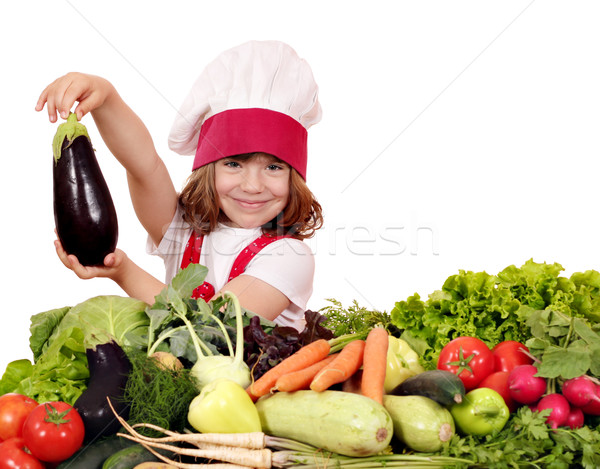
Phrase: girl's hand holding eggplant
[89,91]
[118,267]
[113,263]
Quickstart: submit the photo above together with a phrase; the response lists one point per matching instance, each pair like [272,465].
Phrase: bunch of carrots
[315,367]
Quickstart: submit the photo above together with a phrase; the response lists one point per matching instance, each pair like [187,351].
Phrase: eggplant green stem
[69,130]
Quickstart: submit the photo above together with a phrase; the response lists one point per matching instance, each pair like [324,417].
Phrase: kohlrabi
[180,321]
[208,366]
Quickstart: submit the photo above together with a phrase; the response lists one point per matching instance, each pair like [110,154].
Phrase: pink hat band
[251,130]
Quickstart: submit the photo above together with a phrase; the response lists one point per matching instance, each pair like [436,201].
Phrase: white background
[455,135]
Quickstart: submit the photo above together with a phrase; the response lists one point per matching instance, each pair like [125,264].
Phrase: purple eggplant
[84,213]
[109,370]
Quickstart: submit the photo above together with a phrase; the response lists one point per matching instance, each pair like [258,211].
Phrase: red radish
[593,408]
[575,418]
[580,391]
[560,409]
[524,386]
[498,381]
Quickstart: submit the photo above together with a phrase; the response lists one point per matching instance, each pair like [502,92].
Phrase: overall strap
[191,255]
[244,257]
[193,248]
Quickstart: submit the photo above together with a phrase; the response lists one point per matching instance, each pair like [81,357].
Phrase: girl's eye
[274,167]
[232,164]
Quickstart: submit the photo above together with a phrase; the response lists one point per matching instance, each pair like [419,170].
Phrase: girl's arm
[135,281]
[258,296]
[152,192]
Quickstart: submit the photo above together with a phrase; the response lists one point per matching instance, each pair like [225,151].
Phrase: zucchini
[336,421]
[442,386]
[92,456]
[129,457]
[84,213]
[420,423]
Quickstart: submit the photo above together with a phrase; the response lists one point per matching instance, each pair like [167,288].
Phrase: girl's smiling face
[252,190]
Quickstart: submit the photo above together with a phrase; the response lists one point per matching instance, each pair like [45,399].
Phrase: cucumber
[442,386]
[93,455]
[336,421]
[129,457]
[420,423]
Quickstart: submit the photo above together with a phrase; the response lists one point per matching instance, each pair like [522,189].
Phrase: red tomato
[469,358]
[53,431]
[14,409]
[509,354]
[13,455]
[498,381]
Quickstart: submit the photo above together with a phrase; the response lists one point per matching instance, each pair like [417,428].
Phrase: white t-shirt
[286,264]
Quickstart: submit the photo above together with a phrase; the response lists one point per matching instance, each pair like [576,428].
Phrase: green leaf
[595,360]
[566,363]
[186,280]
[41,328]
[16,371]
[103,318]
[584,331]
[538,323]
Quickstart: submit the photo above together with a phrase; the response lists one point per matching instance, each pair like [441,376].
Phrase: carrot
[306,356]
[375,364]
[301,379]
[345,365]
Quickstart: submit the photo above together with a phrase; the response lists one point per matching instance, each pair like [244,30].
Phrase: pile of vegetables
[490,371]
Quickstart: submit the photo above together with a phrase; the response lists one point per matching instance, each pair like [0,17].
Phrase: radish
[560,409]
[580,391]
[524,386]
[593,407]
[575,418]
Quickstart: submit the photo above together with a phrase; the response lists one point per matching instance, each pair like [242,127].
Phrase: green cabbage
[59,339]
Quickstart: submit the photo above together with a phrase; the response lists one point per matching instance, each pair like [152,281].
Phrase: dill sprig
[158,395]
[354,319]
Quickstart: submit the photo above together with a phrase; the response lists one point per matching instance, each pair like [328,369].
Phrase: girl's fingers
[62,255]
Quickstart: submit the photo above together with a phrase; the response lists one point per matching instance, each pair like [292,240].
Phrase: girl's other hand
[89,91]
[113,262]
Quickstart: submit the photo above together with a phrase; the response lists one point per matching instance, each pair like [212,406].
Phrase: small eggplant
[84,213]
[109,369]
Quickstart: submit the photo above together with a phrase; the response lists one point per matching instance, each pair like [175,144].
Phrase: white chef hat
[256,97]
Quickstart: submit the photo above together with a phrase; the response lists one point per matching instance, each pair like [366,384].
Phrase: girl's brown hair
[198,200]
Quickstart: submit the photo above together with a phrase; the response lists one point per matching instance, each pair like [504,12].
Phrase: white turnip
[560,409]
[524,386]
[580,391]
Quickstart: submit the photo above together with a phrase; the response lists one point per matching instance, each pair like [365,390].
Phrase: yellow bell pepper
[223,406]
[402,363]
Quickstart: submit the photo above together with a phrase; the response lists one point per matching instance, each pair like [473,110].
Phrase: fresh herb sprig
[527,441]
[354,318]
[157,394]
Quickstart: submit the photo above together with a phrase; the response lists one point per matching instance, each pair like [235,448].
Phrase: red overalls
[191,255]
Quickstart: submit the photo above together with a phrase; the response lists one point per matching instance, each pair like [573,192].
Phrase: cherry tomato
[510,354]
[498,381]
[53,431]
[13,455]
[14,409]
[469,358]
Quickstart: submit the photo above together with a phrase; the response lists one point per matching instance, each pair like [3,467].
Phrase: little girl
[245,208]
